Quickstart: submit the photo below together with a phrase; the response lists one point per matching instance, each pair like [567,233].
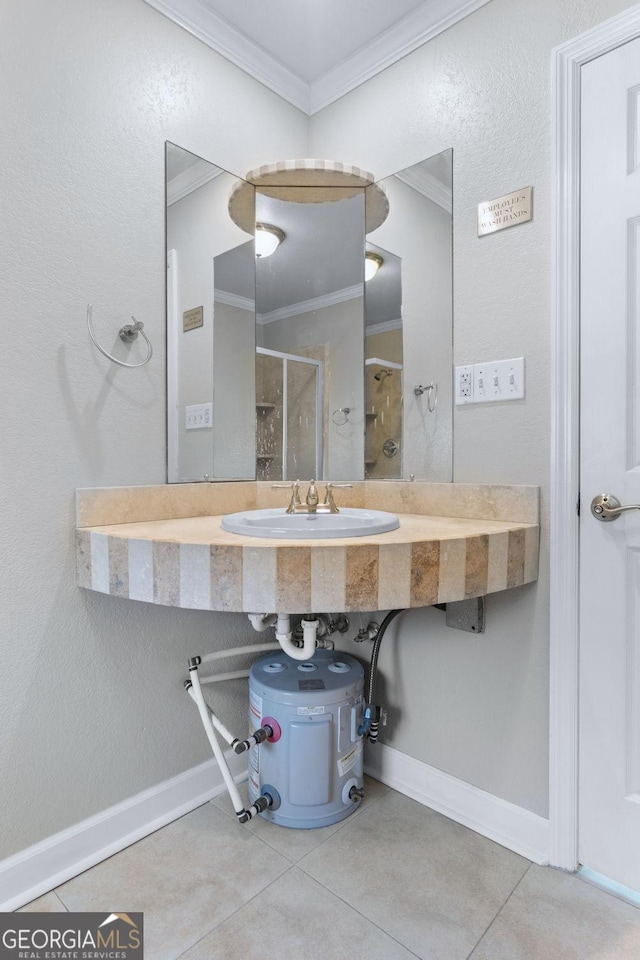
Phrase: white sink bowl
[275,523]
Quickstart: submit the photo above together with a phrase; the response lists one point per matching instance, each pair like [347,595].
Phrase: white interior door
[609,763]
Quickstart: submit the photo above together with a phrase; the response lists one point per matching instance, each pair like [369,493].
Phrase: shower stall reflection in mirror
[289,416]
[383,427]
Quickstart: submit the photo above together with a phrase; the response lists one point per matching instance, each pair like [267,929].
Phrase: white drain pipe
[284,635]
[284,638]
[261,621]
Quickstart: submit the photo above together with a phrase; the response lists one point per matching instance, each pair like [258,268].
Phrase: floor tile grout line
[56,889]
[58,897]
[293,866]
[269,849]
[359,912]
[296,864]
[501,908]
[243,906]
[117,853]
[49,893]
[340,826]
[344,823]
[272,849]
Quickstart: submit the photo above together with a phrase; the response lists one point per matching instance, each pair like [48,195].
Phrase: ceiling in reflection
[310,266]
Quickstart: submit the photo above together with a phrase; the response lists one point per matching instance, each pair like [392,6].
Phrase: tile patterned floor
[394,881]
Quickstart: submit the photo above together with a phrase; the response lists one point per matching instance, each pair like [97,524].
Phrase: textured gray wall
[92,708]
[477,707]
[91,702]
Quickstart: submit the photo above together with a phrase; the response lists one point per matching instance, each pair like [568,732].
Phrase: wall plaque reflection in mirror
[293,335]
[213,363]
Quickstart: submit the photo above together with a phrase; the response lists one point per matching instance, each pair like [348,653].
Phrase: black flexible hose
[373,671]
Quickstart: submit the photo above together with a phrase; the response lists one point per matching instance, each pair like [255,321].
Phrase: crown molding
[305,306]
[422,24]
[383,327]
[308,306]
[428,185]
[234,300]
[191,179]
[237,47]
[407,34]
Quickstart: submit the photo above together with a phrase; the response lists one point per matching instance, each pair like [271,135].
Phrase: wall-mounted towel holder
[128,334]
[431,391]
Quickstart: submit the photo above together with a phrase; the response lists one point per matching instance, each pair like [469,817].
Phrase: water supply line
[236,651]
[210,723]
[371,717]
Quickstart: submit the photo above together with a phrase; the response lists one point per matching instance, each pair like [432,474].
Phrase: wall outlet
[464,384]
[198,416]
[498,380]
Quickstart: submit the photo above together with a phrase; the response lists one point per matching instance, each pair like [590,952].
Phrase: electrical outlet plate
[464,384]
[498,380]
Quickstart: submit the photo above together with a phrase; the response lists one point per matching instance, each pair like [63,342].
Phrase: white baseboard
[47,864]
[511,826]
[53,861]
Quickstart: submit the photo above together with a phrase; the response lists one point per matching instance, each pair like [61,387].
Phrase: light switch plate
[498,380]
[198,416]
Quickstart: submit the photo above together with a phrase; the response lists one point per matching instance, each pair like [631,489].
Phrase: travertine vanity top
[165,545]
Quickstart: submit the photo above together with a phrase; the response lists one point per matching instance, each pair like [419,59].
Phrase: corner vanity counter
[165,545]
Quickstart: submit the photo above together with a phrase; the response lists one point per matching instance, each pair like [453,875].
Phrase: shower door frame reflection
[286,357]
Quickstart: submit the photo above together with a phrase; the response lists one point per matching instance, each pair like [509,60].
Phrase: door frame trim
[567,61]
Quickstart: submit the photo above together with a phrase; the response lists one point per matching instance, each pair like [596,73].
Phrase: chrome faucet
[312,500]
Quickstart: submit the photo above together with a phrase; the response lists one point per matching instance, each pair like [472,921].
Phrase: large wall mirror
[299,326]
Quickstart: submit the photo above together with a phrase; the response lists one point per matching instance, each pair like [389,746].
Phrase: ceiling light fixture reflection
[268,239]
[372,263]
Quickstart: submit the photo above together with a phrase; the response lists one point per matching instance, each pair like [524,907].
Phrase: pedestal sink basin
[275,523]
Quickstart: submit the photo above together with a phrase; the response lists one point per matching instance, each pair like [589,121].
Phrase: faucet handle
[328,495]
[294,486]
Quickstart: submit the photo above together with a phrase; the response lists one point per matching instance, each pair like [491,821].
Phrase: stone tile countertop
[165,545]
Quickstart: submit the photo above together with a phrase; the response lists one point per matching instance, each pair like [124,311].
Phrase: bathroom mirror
[310,337]
[291,364]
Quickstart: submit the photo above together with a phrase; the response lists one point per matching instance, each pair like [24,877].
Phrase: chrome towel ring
[128,334]
[432,395]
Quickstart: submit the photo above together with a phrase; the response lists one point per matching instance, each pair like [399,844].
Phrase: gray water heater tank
[312,765]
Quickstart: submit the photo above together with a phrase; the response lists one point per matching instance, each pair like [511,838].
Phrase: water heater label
[350,759]
[307,685]
[310,711]
[254,768]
